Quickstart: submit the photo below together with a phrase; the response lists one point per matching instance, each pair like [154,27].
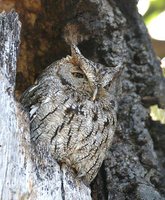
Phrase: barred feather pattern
[73,118]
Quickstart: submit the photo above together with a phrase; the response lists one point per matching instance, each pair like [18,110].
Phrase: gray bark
[22,175]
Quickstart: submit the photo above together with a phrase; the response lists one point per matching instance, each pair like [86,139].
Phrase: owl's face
[100,78]
[72,77]
[88,78]
[76,78]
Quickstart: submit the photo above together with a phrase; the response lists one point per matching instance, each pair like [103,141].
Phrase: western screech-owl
[73,110]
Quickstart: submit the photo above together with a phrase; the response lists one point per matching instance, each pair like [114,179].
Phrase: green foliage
[156,7]
[163,71]
[157,114]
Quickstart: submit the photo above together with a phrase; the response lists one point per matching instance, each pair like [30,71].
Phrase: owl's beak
[95,94]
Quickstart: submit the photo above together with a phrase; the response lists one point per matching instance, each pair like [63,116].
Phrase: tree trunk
[23,176]
[112,33]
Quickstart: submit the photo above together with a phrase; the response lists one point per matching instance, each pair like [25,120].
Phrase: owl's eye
[108,85]
[78,75]
[112,103]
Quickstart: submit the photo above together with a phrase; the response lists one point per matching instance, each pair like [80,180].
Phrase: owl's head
[99,78]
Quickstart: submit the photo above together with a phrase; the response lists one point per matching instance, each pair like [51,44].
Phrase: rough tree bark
[115,34]
[23,176]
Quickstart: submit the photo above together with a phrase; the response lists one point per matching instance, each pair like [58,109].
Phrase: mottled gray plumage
[73,110]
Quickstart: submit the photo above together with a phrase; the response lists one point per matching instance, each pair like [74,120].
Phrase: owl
[72,108]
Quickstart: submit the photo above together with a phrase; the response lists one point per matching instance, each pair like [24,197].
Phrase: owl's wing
[47,85]
[33,95]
